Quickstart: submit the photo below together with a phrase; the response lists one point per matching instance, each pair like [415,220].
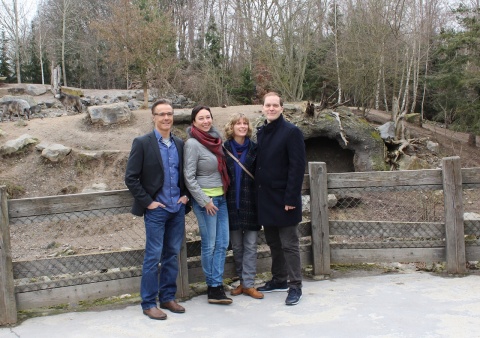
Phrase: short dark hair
[273,94]
[161,101]
[197,109]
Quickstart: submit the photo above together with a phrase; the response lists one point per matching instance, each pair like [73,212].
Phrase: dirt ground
[29,175]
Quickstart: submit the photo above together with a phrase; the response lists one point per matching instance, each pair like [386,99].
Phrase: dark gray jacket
[144,175]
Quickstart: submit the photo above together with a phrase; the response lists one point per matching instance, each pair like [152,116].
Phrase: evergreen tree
[455,81]
[31,71]
[4,69]
[213,41]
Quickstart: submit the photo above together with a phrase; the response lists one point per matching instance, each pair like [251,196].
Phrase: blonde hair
[233,120]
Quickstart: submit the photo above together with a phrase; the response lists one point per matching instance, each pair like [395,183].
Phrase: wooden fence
[318,251]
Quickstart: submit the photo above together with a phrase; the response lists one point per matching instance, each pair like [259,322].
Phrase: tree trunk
[63,44]
[17,42]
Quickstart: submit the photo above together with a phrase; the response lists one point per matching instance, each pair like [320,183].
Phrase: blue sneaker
[271,286]
[294,296]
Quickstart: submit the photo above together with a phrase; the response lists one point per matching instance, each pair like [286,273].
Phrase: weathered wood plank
[470,175]
[79,280]
[8,308]
[388,229]
[389,244]
[77,293]
[385,179]
[472,253]
[319,218]
[357,256]
[78,263]
[453,201]
[28,207]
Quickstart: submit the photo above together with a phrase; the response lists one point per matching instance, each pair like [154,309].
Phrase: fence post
[319,218]
[8,306]
[183,289]
[454,228]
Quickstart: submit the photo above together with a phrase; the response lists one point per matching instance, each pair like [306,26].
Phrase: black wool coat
[244,218]
[144,175]
[279,173]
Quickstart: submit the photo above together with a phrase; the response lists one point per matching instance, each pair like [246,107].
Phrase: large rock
[362,139]
[31,101]
[35,89]
[182,116]
[110,113]
[18,144]
[387,131]
[407,162]
[72,91]
[56,152]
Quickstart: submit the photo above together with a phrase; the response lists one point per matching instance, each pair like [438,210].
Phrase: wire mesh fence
[397,217]
[80,247]
[471,216]
[108,244]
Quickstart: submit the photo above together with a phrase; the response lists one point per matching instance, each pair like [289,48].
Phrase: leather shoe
[252,292]
[155,313]
[173,306]
[237,291]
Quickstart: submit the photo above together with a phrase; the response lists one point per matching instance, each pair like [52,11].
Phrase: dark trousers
[285,248]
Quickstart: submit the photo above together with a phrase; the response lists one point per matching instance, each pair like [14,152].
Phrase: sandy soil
[29,175]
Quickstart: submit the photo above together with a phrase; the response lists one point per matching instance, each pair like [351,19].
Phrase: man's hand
[155,205]
[184,199]
[289,207]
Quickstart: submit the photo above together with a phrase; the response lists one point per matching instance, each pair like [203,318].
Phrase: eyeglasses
[163,114]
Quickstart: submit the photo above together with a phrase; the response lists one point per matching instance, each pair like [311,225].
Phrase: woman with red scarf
[206,178]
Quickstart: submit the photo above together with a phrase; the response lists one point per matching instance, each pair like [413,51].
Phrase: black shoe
[294,296]
[271,286]
[216,295]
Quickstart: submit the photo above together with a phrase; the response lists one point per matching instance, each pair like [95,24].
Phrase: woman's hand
[211,208]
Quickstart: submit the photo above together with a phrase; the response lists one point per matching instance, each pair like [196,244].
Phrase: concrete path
[415,304]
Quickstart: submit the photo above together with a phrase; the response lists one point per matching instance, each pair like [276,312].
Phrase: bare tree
[13,20]
[138,41]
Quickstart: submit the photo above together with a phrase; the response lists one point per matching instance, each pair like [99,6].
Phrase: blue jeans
[164,237]
[214,235]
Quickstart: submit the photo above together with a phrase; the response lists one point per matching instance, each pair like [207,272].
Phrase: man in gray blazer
[154,176]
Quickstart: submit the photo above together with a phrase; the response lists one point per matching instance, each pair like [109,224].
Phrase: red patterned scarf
[214,144]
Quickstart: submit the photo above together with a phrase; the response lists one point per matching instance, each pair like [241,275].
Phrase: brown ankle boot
[252,292]
[237,291]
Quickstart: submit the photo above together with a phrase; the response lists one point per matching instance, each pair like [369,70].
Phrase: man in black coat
[279,173]
[154,176]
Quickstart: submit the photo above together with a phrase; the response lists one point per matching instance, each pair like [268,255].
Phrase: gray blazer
[144,175]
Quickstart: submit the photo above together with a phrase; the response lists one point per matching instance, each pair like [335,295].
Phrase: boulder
[72,91]
[412,118]
[387,130]
[16,145]
[433,146]
[110,113]
[56,152]
[363,140]
[182,116]
[31,101]
[407,162]
[35,89]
